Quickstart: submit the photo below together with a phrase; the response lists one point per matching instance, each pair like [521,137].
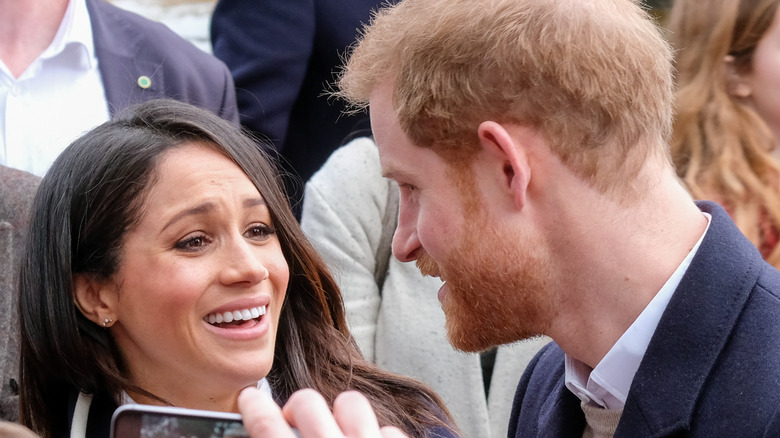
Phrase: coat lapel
[692,332]
[121,61]
[561,415]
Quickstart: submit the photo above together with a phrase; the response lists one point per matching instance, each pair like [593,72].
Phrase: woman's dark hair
[93,193]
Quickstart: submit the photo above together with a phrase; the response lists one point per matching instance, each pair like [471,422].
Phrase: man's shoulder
[542,401]
[543,375]
[17,189]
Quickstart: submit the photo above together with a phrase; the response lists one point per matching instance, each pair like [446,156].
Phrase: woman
[728,119]
[165,267]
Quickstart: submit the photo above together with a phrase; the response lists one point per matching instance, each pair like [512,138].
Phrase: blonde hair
[593,77]
[720,146]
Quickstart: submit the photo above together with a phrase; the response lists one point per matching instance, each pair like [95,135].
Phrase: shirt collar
[608,384]
[75,30]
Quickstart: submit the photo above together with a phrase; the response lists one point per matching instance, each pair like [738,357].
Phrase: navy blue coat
[129,46]
[712,367]
[283,55]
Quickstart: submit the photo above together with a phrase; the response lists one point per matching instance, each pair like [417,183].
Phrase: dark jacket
[129,46]
[712,367]
[283,56]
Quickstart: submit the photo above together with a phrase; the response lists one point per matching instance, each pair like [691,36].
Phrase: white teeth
[236,315]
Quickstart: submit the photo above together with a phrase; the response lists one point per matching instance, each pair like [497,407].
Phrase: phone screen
[142,421]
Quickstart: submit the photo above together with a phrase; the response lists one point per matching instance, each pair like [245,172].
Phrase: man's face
[494,272]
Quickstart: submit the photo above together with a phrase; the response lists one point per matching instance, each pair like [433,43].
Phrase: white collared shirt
[55,100]
[607,385]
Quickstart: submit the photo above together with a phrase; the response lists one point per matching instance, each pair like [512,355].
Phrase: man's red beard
[496,289]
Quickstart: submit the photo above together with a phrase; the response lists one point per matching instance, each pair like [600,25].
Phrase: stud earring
[106,322]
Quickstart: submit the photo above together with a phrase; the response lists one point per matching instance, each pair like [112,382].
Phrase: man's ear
[737,82]
[511,156]
[95,299]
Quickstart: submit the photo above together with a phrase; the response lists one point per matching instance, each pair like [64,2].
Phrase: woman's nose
[243,263]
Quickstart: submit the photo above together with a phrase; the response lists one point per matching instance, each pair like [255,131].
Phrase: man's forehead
[392,167]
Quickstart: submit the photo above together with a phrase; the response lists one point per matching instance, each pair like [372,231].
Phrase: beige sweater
[599,422]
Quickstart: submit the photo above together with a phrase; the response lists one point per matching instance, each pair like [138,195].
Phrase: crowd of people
[423,218]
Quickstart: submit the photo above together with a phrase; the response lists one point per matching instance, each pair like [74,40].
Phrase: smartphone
[144,421]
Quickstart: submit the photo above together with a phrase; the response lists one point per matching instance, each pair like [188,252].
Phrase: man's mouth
[428,266]
[236,317]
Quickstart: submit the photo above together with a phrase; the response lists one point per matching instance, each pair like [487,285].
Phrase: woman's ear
[512,157]
[737,82]
[95,299]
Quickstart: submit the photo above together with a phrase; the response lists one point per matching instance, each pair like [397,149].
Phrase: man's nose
[406,244]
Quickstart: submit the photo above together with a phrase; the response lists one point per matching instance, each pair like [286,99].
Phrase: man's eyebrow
[395,173]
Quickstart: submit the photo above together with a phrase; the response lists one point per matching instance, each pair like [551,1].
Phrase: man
[530,142]
[68,65]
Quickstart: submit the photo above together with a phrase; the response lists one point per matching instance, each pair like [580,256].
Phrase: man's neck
[27,28]
[621,259]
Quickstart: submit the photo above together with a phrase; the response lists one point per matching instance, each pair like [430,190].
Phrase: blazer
[17,189]
[712,367]
[283,56]
[349,213]
[129,46]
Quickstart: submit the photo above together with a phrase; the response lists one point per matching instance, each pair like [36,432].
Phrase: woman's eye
[259,232]
[193,243]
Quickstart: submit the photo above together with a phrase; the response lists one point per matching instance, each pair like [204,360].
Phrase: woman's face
[764,78]
[200,284]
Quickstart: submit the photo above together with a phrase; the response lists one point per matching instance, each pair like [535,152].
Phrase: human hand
[308,412]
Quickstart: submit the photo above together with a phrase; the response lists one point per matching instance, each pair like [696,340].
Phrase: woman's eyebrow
[199,209]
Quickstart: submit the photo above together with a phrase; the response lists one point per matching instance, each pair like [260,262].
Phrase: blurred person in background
[74,63]
[728,110]
[283,56]
[17,189]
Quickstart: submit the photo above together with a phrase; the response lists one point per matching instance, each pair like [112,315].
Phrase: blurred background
[190,18]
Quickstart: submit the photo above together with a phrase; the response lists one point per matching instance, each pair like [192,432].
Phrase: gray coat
[17,189]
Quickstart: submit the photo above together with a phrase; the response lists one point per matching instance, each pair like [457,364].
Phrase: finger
[354,415]
[262,416]
[307,411]
[392,432]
